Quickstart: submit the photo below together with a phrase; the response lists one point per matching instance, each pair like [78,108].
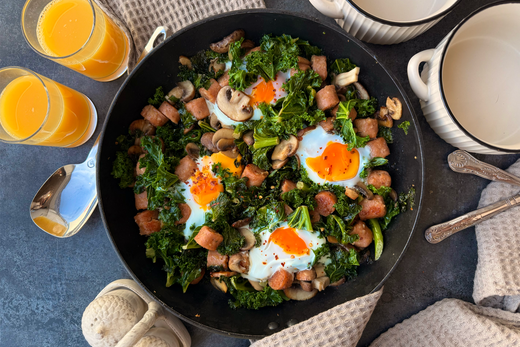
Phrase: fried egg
[203,187]
[260,91]
[286,247]
[327,160]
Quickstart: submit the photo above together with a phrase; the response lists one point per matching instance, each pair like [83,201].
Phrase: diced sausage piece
[328,124]
[319,65]
[352,113]
[378,148]
[374,208]
[208,238]
[281,279]
[198,279]
[224,80]
[154,116]
[185,212]
[217,259]
[141,201]
[256,49]
[287,186]
[170,112]
[315,216]
[364,233]
[325,202]
[148,222]
[306,275]
[255,174]
[138,169]
[367,127]
[379,178]
[186,168]
[198,108]
[327,98]
[211,93]
[301,67]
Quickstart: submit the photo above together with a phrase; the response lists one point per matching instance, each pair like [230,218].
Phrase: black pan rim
[230,14]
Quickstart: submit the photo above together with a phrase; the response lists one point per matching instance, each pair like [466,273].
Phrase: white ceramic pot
[469,88]
[385,22]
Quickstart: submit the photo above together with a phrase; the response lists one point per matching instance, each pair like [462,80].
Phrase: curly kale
[343,264]
[123,169]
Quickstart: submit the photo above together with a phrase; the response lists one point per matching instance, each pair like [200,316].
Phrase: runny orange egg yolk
[205,188]
[289,241]
[228,163]
[336,163]
[263,92]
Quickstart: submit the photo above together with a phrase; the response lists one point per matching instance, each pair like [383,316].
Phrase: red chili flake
[264,262]
[283,264]
[292,256]
[276,257]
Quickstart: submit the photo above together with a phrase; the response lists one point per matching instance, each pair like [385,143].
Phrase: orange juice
[83,38]
[25,112]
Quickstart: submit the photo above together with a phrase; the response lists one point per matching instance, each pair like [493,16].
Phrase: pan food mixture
[260,171]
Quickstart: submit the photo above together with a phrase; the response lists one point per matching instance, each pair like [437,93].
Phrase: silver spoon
[67,199]
[462,162]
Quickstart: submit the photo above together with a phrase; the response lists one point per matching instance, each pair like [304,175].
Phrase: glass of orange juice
[35,110]
[76,34]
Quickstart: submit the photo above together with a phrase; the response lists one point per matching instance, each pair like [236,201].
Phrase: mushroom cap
[285,149]
[234,104]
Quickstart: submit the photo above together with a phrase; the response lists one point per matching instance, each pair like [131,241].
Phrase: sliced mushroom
[307,286]
[304,131]
[143,126]
[394,108]
[214,122]
[285,149]
[223,45]
[241,223]
[295,293]
[383,118]
[221,286]
[222,134]
[363,190]
[361,91]
[393,195]
[256,285]
[351,193]
[223,273]
[184,91]
[239,262]
[206,141]
[215,66]
[247,44]
[185,61]
[338,282]
[249,237]
[302,60]
[226,145]
[234,104]
[135,151]
[306,275]
[232,153]
[187,130]
[346,78]
[320,270]
[278,164]
[320,283]
[193,150]
[248,138]
[332,239]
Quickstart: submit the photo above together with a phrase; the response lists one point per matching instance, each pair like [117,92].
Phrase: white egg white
[314,143]
[266,259]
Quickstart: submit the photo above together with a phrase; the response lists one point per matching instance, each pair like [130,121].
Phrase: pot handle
[418,86]
[142,327]
[328,8]
[160,31]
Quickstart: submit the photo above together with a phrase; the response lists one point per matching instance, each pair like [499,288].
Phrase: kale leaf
[343,264]
[377,161]
[343,124]
[386,133]
[404,125]
[123,169]
[254,300]
[157,98]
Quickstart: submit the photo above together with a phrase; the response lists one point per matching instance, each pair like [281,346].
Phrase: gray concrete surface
[45,283]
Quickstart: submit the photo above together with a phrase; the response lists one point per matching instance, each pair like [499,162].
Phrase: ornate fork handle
[437,233]
[463,162]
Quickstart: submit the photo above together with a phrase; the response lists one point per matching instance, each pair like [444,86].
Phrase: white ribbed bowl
[385,22]
[469,87]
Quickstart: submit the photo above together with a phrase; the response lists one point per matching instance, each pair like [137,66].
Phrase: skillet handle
[160,31]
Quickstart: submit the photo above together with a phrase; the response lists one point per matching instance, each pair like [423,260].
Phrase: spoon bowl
[66,200]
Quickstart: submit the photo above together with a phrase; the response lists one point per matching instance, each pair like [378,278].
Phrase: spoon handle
[439,232]
[463,162]
[91,159]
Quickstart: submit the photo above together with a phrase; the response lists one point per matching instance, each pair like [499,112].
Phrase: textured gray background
[45,283]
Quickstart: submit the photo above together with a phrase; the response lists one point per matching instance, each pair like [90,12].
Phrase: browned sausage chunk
[217,259]
[374,208]
[327,98]
[255,174]
[301,67]
[315,216]
[319,65]
[186,168]
[154,116]
[378,148]
[328,124]
[148,222]
[367,127]
[224,80]
[170,112]
[281,279]
[379,178]
[325,202]
[306,275]
[364,233]
[211,93]
[141,201]
[198,108]
[208,238]
[287,186]
[138,169]
[185,212]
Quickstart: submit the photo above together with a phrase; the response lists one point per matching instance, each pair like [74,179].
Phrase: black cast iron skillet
[202,305]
